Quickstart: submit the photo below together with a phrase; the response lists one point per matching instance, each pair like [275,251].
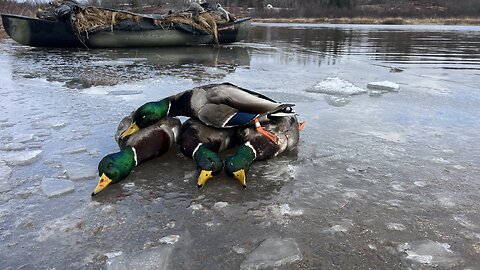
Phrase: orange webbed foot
[301,126]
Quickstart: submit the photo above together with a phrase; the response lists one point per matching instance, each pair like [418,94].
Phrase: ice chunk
[23,138]
[79,171]
[375,93]
[430,252]
[75,150]
[343,227]
[170,225]
[336,86]
[239,250]
[189,175]
[7,125]
[195,206]
[446,202]
[152,259]
[384,85]
[22,158]
[5,173]
[57,187]
[279,213]
[13,146]
[465,222]
[113,254]
[220,205]
[395,227]
[272,253]
[337,101]
[170,239]
[420,183]
[124,92]
[50,124]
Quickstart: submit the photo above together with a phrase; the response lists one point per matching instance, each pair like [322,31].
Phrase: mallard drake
[219,105]
[203,143]
[148,143]
[257,147]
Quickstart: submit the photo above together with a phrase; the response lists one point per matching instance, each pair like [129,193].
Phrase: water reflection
[436,48]
[83,69]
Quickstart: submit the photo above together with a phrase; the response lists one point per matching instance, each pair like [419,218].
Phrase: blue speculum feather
[241,118]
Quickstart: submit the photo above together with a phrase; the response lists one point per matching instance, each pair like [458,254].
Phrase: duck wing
[241,99]
[225,116]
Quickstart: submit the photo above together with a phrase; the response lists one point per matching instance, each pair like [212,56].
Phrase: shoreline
[372,20]
[354,20]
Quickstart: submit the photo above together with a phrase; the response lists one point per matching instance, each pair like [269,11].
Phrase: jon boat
[123,29]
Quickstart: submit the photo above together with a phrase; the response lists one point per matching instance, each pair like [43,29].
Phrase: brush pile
[86,20]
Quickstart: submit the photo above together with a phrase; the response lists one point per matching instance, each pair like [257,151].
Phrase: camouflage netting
[87,20]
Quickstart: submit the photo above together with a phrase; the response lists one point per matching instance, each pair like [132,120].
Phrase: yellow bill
[203,177]
[240,176]
[102,183]
[130,130]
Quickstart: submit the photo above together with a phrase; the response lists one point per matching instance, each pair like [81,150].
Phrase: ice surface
[151,259]
[79,171]
[22,158]
[336,86]
[430,253]
[375,159]
[384,85]
[272,252]
[56,187]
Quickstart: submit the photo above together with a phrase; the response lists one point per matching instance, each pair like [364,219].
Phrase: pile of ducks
[221,116]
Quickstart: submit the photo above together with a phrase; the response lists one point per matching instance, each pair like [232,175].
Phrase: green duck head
[147,114]
[115,167]
[237,165]
[208,163]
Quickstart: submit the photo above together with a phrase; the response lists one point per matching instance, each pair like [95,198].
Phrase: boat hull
[42,33]
[39,33]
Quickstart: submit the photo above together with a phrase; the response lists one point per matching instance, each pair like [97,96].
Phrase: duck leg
[264,132]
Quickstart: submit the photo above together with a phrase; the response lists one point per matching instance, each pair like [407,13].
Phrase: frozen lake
[381,180]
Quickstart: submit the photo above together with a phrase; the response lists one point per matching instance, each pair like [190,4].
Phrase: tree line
[289,8]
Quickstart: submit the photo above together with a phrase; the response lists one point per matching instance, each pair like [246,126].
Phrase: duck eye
[110,165]
[143,117]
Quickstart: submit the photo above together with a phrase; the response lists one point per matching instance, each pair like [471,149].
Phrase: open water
[382,179]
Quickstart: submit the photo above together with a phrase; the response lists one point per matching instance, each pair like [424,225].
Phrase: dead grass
[3,34]
[367,20]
